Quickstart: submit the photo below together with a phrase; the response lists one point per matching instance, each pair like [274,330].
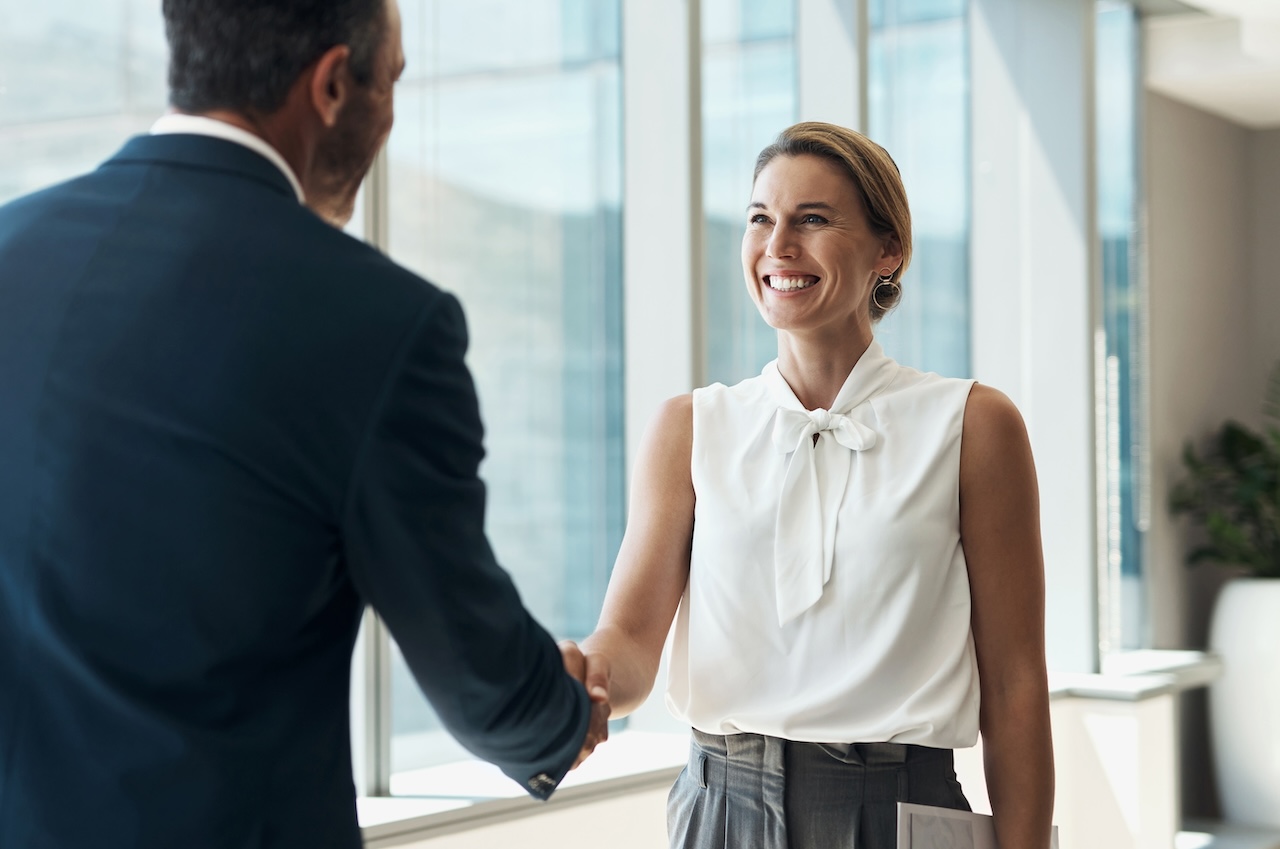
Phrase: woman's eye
[758,219]
[813,219]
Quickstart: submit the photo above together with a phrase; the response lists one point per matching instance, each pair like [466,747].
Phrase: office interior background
[1096,193]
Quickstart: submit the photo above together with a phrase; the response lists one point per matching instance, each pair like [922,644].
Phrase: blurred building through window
[918,109]
[1122,594]
[749,93]
[77,78]
[504,175]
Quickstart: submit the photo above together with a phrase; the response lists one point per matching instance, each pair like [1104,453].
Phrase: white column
[662,229]
[1034,275]
[663,278]
[371,708]
[370,662]
[832,61]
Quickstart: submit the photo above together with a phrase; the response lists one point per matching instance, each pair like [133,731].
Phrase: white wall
[1201,319]
[1214,248]
[1264,257]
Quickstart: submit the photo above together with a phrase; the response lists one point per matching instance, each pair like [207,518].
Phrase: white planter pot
[1244,703]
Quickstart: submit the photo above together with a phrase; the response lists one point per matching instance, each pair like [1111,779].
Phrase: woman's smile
[790,282]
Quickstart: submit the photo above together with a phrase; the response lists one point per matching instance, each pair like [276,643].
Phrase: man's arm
[415,543]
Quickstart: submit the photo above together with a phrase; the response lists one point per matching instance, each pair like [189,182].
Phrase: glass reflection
[1123,600]
[748,94]
[918,99]
[505,179]
[77,78]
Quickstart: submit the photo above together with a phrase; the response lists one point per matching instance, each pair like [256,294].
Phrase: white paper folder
[927,827]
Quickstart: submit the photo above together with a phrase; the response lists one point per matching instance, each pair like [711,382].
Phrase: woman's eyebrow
[815,204]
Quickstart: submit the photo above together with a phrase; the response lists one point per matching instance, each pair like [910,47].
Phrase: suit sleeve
[415,542]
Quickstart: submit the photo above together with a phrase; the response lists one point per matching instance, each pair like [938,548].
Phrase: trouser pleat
[750,790]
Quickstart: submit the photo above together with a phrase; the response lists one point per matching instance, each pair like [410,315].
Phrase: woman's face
[808,256]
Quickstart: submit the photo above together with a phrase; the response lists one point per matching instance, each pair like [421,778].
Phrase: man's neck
[274,132]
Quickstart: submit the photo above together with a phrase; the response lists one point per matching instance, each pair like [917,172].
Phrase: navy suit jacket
[225,426]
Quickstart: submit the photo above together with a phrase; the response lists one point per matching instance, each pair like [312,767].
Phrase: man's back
[219,437]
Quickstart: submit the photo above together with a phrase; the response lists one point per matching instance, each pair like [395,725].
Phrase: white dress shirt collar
[199,125]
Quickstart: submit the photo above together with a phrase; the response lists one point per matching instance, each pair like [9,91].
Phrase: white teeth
[784,284]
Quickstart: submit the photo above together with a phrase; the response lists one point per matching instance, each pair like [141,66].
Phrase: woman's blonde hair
[874,175]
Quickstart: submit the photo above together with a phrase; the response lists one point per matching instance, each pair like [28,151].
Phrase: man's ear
[331,84]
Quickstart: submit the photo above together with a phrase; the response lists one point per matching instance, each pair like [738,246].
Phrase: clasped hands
[592,670]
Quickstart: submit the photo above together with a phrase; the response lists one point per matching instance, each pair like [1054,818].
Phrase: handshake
[592,670]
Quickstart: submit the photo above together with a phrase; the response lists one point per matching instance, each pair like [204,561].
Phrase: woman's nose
[782,242]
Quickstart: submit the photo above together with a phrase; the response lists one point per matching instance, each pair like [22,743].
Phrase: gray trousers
[748,791]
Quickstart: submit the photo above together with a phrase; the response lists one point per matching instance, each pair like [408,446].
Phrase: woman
[852,546]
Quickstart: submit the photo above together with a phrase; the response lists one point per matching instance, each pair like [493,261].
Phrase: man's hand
[593,672]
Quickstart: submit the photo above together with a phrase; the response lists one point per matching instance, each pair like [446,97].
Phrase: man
[225,426]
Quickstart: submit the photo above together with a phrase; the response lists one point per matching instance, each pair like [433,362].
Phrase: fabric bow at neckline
[816,477]
[792,429]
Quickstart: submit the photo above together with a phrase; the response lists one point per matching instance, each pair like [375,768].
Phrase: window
[504,187]
[918,106]
[1122,595]
[77,78]
[748,95]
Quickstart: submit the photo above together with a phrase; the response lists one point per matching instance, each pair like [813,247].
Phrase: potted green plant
[1232,494]
[1232,491]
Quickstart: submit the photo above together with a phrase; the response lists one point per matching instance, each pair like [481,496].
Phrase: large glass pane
[505,188]
[1122,605]
[748,94]
[77,78]
[918,104]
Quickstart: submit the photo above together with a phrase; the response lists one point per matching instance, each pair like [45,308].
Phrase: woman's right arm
[652,568]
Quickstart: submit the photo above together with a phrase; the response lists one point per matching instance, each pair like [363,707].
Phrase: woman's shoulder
[671,426]
[730,414]
[745,392]
[667,445]
[993,424]
[913,387]
[675,413]
[989,409]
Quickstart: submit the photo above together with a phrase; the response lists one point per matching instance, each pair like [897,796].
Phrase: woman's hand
[593,672]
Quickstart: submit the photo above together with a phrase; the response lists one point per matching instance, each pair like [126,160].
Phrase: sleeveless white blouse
[828,598]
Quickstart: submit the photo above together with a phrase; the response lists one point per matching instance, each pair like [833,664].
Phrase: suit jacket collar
[203,125]
[204,153]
